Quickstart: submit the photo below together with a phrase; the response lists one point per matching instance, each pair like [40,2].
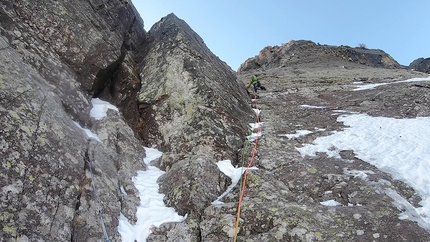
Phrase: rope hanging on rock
[243,180]
[105,235]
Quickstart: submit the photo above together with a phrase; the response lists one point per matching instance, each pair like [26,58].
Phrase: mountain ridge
[174,94]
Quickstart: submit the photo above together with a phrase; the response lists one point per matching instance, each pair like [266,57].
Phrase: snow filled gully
[151,212]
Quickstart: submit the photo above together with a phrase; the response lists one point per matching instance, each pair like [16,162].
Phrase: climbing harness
[243,180]
[105,235]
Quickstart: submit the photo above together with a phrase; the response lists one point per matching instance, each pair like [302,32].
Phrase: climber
[256,83]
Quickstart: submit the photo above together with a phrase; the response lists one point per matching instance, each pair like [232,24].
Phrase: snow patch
[99,109]
[151,212]
[235,174]
[395,146]
[88,132]
[330,203]
[357,173]
[297,134]
[371,86]
[257,111]
[311,106]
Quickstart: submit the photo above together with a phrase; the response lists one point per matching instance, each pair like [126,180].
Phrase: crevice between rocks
[82,183]
[418,85]
[105,78]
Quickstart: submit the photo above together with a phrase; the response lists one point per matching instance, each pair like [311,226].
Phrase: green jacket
[254,80]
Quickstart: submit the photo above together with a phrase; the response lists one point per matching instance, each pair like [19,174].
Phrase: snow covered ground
[360,87]
[399,147]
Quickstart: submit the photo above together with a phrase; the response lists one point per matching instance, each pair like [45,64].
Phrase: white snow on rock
[371,86]
[399,147]
[330,203]
[151,212]
[88,132]
[235,174]
[297,134]
[100,108]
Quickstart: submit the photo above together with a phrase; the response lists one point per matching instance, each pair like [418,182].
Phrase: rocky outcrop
[193,108]
[55,57]
[287,190]
[421,64]
[73,42]
[47,189]
[183,81]
[302,51]
[172,93]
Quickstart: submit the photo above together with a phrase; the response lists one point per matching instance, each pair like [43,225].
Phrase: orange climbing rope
[243,183]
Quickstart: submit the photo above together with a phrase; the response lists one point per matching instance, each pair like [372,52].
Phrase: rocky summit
[68,174]
[421,64]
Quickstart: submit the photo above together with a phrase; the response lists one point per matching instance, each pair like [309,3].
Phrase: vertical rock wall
[56,55]
[194,109]
[172,93]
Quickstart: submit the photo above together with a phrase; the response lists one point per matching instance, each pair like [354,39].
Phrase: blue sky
[236,30]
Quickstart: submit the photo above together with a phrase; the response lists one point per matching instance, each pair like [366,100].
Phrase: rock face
[287,189]
[55,57]
[183,83]
[297,52]
[421,64]
[174,94]
[193,109]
